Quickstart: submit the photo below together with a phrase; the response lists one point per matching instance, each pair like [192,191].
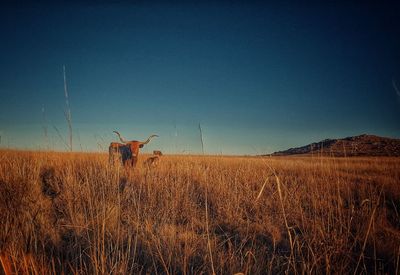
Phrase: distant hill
[363,145]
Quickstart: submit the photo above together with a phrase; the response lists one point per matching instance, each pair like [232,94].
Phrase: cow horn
[120,138]
[148,140]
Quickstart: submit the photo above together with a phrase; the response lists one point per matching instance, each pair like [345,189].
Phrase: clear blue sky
[258,77]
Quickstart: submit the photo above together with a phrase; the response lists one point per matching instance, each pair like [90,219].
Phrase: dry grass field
[72,213]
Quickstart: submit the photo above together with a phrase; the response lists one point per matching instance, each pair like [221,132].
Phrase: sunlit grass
[72,213]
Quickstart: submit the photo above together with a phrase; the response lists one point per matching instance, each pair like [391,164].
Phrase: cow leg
[110,156]
[134,161]
[111,159]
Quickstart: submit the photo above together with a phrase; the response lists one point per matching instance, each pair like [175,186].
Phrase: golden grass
[72,213]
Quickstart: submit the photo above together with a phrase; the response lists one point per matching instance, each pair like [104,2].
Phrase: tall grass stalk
[67,112]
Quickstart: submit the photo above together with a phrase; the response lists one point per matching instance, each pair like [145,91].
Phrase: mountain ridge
[361,145]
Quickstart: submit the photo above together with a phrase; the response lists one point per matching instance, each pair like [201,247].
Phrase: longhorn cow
[126,151]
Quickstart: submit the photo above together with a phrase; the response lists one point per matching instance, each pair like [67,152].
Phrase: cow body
[154,160]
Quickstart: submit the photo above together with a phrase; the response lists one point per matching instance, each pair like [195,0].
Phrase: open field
[72,213]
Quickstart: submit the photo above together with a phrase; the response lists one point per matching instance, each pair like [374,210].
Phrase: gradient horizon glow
[258,77]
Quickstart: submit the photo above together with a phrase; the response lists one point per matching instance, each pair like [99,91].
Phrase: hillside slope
[363,145]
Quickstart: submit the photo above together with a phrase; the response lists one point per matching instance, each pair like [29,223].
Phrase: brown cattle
[126,151]
[157,153]
[153,161]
